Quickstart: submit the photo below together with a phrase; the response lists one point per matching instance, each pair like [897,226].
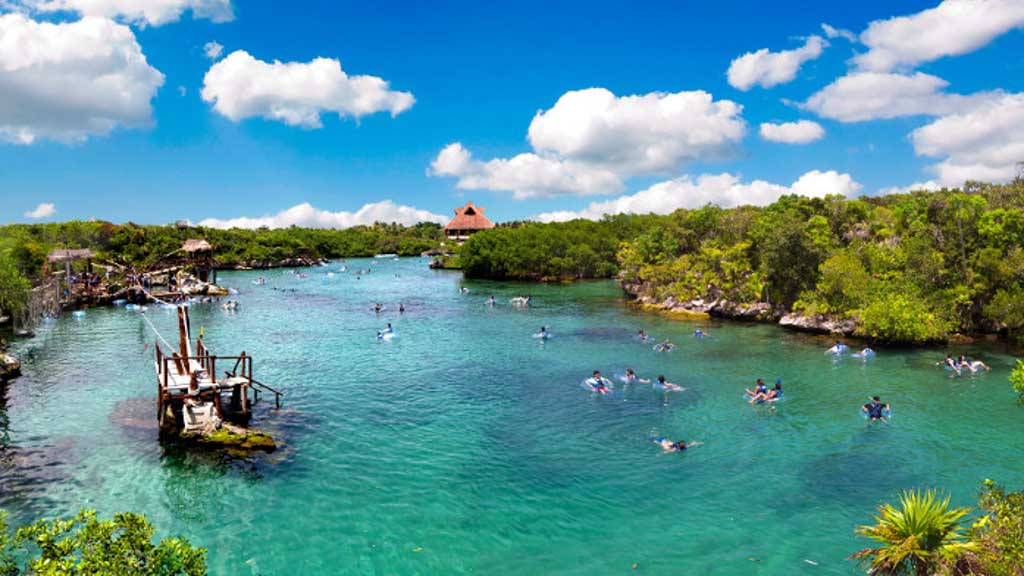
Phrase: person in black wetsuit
[875,410]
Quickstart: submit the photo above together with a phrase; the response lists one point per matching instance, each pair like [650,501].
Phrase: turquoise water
[466,446]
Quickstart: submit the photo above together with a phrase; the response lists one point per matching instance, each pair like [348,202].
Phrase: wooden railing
[208,363]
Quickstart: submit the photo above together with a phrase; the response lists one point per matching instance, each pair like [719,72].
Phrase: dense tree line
[24,247]
[905,267]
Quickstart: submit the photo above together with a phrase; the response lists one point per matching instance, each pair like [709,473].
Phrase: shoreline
[765,313]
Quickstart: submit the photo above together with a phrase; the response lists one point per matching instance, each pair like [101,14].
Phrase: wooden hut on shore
[468,220]
[200,259]
[69,282]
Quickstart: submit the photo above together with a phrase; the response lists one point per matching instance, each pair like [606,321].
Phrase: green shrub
[86,545]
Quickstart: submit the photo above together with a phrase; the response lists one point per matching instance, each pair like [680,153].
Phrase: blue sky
[478,75]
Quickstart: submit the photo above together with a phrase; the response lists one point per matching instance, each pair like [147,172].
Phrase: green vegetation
[534,251]
[999,532]
[913,267]
[24,247]
[86,545]
[917,537]
[1017,380]
[924,536]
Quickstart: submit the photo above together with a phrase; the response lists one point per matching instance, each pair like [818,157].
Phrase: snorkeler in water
[700,333]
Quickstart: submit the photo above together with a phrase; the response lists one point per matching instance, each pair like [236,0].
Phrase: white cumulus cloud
[296,93]
[44,210]
[800,132]
[68,81]
[861,96]
[982,143]
[213,50]
[724,190]
[525,175]
[637,134]
[306,215]
[929,185]
[832,32]
[767,69]
[141,12]
[591,140]
[953,27]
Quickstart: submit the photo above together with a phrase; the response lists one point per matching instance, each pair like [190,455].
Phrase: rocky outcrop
[696,307]
[818,324]
[748,311]
[10,367]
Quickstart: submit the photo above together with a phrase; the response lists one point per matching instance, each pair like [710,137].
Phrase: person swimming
[875,410]
[389,329]
[543,334]
[837,348]
[665,346]
[974,366]
[700,333]
[759,393]
[599,383]
[866,352]
[950,362]
[668,386]
[641,335]
[632,378]
[674,446]
[491,301]
[401,308]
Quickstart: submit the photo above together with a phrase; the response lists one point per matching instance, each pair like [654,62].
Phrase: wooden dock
[192,398]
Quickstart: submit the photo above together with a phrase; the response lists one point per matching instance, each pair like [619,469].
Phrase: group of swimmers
[959,364]
[761,393]
[378,308]
[386,334]
[839,348]
[602,385]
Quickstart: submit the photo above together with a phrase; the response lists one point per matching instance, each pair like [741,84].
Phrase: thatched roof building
[468,220]
[192,246]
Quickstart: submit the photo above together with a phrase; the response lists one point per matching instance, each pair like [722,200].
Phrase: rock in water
[10,367]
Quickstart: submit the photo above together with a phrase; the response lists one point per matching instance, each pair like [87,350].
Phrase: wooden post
[179,364]
[182,335]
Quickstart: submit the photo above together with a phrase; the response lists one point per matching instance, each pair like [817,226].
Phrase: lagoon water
[465,445]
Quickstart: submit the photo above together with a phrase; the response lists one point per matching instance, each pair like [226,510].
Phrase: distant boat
[395,256]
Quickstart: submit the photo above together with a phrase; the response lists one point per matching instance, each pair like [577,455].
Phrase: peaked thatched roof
[469,217]
[192,245]
[72,254]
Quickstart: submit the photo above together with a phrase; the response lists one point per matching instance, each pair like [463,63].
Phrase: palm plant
[917,538]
